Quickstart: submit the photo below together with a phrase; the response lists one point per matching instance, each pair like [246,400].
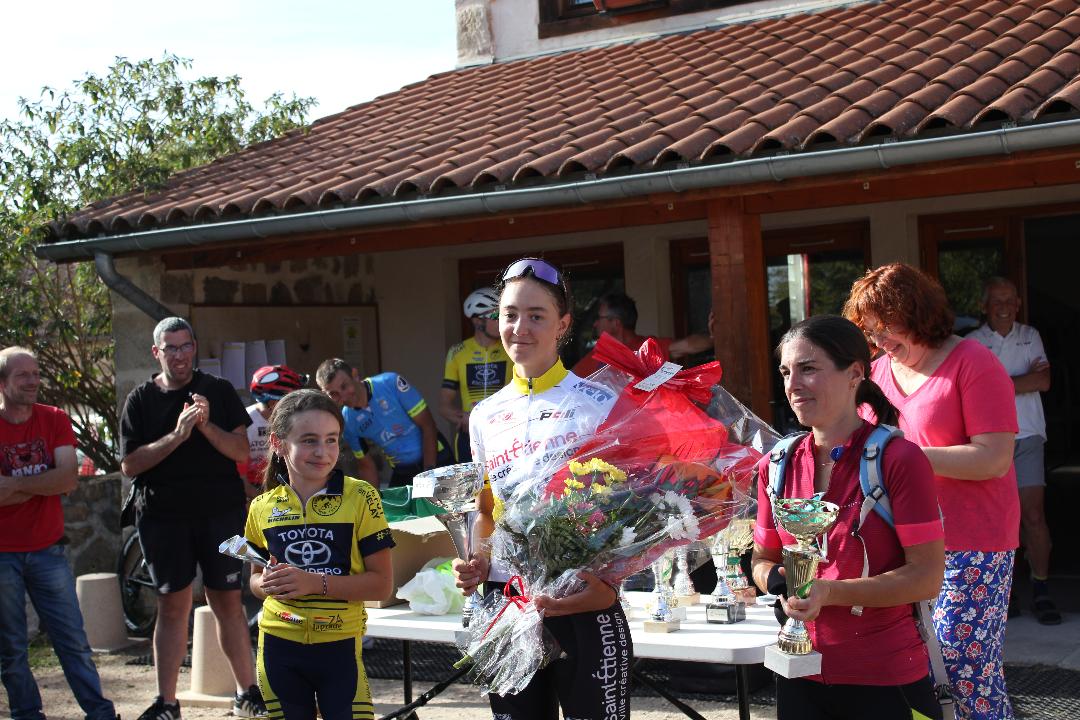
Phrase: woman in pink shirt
[956,402]
[873,661]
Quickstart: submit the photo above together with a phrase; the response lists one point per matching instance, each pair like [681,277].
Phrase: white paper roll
[275,352]
[232,364]
[254,357]
[210,366]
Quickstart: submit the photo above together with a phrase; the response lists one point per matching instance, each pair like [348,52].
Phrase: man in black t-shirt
[182,433]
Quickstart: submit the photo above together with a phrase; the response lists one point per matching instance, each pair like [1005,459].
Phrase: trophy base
[725,612]
[677,612]
[661,626]
[792,666]
[687,600]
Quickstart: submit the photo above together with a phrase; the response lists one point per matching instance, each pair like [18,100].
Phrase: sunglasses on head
[539,269]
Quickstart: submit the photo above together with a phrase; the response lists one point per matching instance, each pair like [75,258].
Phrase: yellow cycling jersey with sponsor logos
[531,426]
[475,371]
[331,533]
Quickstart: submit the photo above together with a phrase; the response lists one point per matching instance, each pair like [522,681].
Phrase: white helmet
[481,302]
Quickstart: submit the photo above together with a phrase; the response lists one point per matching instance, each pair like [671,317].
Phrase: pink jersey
[969,394]
[883,646]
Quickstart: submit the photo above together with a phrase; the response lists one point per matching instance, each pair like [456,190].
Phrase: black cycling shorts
[173,546]
[296,678]
[591,683]
[462,449]
[802,699]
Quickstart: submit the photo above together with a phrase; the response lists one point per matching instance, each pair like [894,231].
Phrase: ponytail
[273,472]
[870,393]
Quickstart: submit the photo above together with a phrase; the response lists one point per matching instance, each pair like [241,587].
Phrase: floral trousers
[970,622]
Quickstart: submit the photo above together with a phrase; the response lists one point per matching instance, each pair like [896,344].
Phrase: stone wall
[92,524]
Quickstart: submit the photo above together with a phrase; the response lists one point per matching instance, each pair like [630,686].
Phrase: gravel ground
[131,687]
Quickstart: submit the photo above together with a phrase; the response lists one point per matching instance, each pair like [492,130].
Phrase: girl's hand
[470,574]
[288,581]
[597,595]
[809,608]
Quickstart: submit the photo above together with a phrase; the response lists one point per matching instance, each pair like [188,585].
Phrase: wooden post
[739,303]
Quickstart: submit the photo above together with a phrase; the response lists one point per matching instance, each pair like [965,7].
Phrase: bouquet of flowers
[657,473]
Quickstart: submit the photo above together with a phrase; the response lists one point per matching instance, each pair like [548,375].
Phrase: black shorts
[592,682]
[801,699]
[173,546]
[462,449]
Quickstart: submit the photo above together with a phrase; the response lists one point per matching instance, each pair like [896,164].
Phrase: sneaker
[249,704]
[1046,613]
[161,710]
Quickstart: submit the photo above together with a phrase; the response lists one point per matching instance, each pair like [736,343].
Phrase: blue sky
[341,53]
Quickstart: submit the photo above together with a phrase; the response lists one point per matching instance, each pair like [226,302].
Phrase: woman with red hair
[956,402]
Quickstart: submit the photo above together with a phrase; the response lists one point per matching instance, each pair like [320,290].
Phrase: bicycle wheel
[138,597]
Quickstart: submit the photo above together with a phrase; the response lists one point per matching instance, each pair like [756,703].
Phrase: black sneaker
[249,704]
[161,710]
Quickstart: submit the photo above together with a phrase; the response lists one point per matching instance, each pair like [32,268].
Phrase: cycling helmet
[273,382]
[481,302]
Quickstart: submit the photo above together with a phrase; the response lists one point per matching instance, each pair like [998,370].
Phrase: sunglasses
[539,269]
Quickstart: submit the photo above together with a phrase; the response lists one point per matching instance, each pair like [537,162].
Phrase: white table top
[737,644]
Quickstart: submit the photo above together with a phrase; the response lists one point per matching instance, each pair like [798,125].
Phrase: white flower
[683,527]
[674,500]
[628,537]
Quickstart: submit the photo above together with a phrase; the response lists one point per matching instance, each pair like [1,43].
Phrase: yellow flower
[600,488]
[577,468]
[573,484]
[615,475]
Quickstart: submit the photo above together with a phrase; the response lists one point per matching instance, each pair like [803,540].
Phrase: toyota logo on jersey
[307,553]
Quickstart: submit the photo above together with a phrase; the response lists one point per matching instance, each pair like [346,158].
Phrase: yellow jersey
[331,533]
[475,371]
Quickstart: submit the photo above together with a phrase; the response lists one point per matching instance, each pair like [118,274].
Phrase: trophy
[806,520]
[666,613]
[685,592]
[454,488]
[238,547]
[727,550]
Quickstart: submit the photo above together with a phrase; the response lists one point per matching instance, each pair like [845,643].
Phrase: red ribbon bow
[519,601]
[695,383]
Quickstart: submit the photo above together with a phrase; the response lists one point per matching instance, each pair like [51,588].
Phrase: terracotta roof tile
[794,82]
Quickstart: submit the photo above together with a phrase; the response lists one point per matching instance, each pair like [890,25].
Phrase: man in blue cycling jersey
[386,411]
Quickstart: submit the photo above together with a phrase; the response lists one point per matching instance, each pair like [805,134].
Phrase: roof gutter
[1003,141]
[119,284]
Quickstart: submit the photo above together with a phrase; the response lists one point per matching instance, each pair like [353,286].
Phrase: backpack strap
[778,459]
[924,614]
[874,496]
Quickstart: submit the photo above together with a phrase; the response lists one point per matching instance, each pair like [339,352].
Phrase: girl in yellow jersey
[330,550]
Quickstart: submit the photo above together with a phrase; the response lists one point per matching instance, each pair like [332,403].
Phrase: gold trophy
[806,520]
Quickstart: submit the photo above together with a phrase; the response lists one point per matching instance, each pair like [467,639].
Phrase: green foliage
[122,132]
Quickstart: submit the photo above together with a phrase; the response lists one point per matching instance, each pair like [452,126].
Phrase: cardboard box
[417,541]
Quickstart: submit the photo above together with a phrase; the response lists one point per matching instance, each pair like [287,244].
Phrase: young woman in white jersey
[527,426]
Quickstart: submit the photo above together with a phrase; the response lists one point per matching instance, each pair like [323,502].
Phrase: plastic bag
[432,590]
[655,473]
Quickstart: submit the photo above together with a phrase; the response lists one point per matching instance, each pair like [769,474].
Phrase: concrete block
[212,682]
[103,616]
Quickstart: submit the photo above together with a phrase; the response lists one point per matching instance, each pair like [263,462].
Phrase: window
[565,17]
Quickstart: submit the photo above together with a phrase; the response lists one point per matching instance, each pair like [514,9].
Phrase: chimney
[475,44]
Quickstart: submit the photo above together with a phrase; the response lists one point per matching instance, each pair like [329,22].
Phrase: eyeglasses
[878,333]
[539,269]
[174,350]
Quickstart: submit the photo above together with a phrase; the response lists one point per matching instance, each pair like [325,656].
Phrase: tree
[125,131]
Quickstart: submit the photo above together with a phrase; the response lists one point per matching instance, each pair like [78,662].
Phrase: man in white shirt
[1020,350]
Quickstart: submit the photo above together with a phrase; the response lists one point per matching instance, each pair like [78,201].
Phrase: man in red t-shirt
[37,465]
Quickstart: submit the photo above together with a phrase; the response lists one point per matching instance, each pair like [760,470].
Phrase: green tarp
[399,504]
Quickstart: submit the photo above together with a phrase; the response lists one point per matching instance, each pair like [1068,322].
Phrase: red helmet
[273,382]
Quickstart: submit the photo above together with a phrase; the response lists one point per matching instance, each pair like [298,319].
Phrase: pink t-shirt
[970,393]
[883,646]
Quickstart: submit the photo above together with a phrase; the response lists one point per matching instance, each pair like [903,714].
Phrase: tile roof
[897,68]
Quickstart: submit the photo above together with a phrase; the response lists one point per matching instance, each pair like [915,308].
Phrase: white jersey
[258,433]
[529,428]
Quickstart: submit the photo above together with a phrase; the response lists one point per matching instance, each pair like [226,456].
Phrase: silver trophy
[454,488]
[238,547]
